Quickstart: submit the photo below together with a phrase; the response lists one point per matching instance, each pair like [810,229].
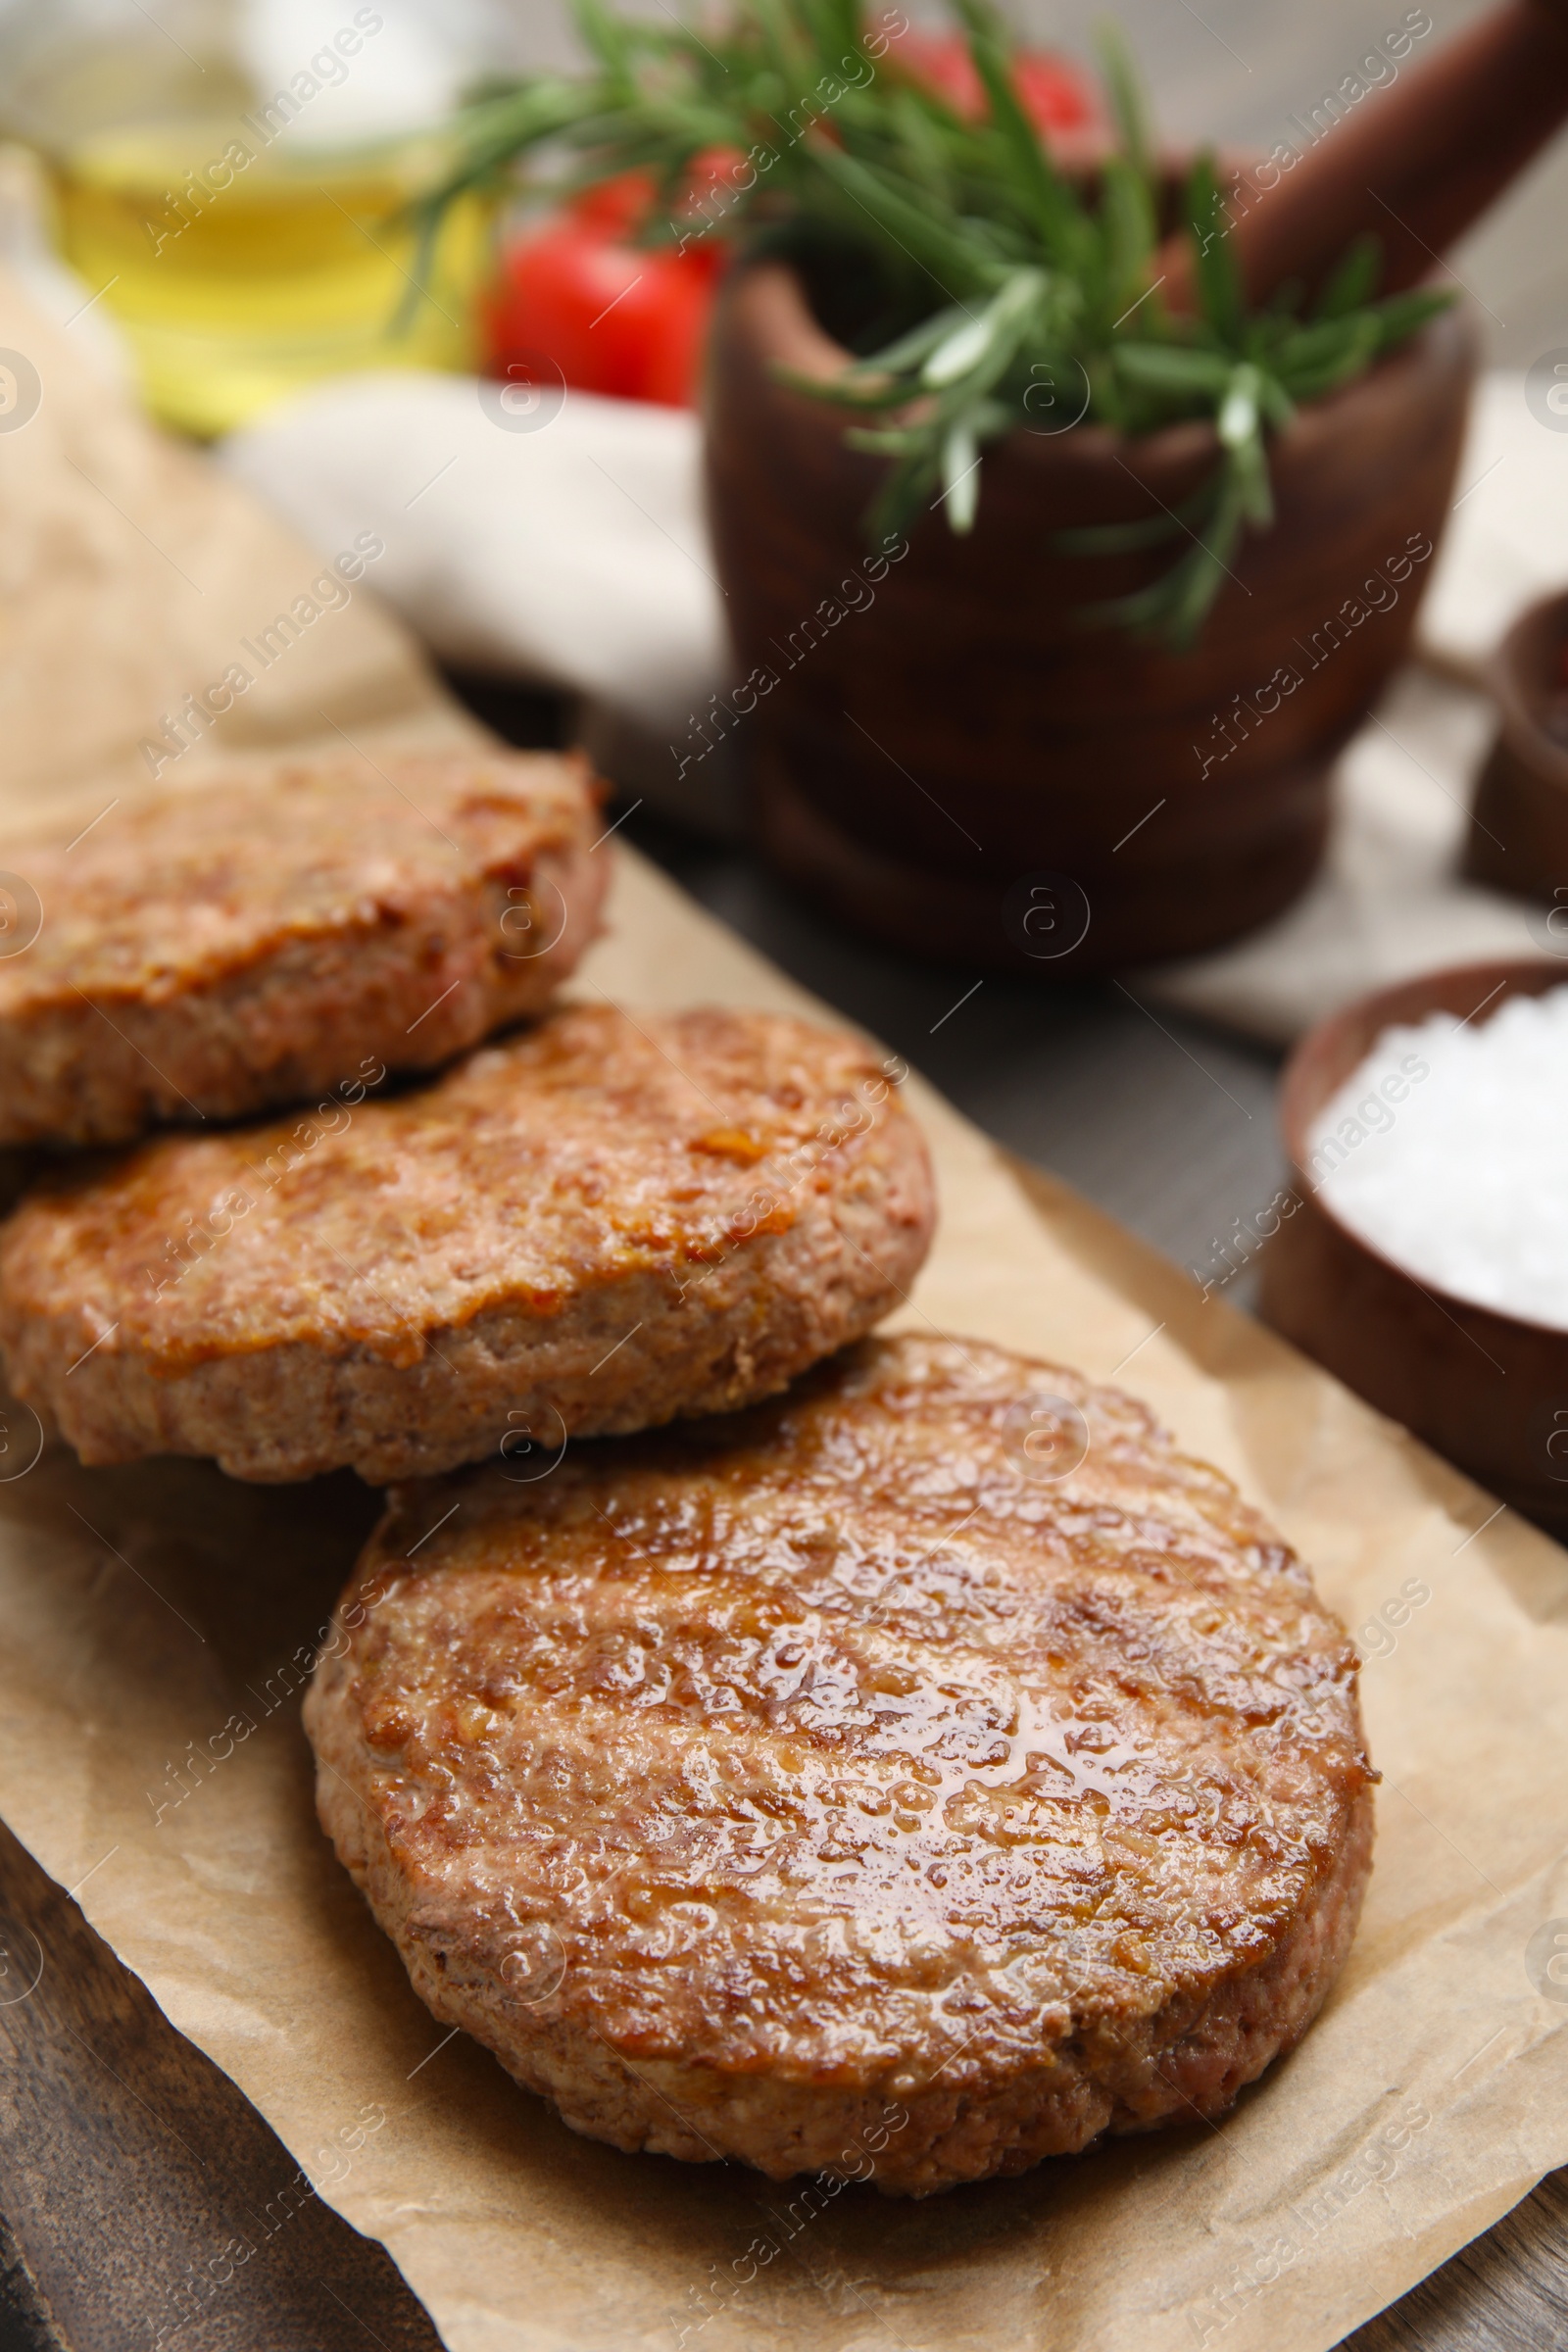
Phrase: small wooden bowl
[1519,824]
[1489,1390]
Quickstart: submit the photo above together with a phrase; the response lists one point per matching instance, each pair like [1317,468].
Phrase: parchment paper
[159,1622]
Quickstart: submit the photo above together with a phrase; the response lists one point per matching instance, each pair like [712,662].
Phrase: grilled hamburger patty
[594,1226]
[821,1787]
[207,954]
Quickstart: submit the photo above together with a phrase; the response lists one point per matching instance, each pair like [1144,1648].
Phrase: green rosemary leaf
[1127,229]
[1353,282]
[1031,166]
[1277,405]
[909,350]
[942,252]
[905,496]
[1237,421]
[991,418]
[839,392]
[1198,578]
[1401,316]
[1219,286]
[1171,368]
[1118,538]
[1325,345]
[992,335]
[960,475]
[834,24]
[960,352]
[894,443]
[1250,471]
[1126,101]
[1310,374]
[606,35]
[926,151]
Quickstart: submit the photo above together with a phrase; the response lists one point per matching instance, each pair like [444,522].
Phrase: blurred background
[135,113]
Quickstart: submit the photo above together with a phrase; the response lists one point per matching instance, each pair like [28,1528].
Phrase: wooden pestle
[1416,162]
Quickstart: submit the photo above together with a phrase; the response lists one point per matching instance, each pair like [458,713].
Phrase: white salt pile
[1448,1150]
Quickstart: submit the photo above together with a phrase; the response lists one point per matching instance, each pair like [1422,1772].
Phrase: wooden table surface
[125,2155]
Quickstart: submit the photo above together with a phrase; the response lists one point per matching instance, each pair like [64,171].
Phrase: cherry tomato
[614,317]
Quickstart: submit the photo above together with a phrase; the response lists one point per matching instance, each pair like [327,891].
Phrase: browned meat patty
[207,954]
[597,1225]
[823,1787]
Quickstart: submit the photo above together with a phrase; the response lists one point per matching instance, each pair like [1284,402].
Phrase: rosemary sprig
[997,281]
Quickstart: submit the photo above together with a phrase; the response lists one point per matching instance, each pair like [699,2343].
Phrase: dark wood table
[125,2154]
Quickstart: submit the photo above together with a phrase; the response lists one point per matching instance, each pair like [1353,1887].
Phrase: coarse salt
[1447,1150]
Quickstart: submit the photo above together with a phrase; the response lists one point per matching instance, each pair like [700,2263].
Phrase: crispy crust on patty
[210,953]
[594,1226]
[820,1786]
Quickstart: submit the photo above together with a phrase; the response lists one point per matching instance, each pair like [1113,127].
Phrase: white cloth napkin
[555,539]
[566,544]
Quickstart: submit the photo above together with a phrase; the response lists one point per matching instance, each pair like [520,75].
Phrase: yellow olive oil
[243,265]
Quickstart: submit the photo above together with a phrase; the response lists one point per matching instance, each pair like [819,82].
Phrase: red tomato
[618,206]
[614,317]
[714,175]
[1056,94]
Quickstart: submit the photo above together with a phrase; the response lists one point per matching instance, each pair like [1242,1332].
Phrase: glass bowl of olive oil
[234,182]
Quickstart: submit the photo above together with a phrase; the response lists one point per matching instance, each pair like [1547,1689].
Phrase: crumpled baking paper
[161,1621]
